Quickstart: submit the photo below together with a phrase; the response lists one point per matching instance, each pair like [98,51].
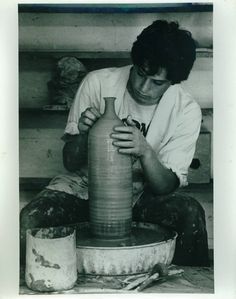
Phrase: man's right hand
[87,119]
[76,149]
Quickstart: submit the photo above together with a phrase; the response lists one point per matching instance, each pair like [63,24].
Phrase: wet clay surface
[139,236]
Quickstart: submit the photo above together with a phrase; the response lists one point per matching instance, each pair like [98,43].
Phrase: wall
[102,32]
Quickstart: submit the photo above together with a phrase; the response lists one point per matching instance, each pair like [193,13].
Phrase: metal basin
[148,245]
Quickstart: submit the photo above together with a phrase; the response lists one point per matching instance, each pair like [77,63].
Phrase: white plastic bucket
[51,259]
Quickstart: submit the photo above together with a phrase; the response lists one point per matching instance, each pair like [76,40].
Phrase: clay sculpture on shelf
[69,73]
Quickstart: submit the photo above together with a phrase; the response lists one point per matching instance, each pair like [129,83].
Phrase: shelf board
[62,108]
[55,108]
[57,53]
[204,52]
[56,118]
[42,119]
[33,183]
[116,8]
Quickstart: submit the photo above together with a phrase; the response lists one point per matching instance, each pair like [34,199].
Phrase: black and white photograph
[116,148]
[115,117]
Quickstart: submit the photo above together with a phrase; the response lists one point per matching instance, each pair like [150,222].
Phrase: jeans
[177,212]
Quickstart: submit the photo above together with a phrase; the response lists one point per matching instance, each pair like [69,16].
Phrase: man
[161,126]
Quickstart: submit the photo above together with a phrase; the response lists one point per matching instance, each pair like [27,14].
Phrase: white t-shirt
[141,115]
[173,125]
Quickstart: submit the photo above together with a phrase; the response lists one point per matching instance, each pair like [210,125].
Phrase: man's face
[147,89]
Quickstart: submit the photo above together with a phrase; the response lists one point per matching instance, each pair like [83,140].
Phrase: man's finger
[89,114]
[83,128]
[86,121]
[128,151]
[122,136]
[124,129]
[129,121]
[95,112]
[124,144]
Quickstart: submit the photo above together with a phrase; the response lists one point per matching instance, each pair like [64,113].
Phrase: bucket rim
[71,231]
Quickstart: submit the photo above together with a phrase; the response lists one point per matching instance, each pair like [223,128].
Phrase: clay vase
[109,179]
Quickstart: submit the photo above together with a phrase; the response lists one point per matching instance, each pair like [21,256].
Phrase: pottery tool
[158,272]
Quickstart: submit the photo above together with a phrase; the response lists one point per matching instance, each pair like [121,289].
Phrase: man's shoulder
[109,72]
[185,98]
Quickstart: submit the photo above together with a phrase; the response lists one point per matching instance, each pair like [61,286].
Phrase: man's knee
[185,205]
[195,210]
[180,211]
[26,219]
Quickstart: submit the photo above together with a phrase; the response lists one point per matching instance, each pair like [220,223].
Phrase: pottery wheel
[147,245]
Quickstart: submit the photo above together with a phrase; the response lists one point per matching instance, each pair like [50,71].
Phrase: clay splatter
[49,153]
[49,212]
[40,285]
[40,259]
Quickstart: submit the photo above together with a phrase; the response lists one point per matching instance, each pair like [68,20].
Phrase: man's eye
[159,83]
[140,73]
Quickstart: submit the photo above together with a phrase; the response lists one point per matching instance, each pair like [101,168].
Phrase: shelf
[55,118]
[55,108]
[42,119]
[63,108]
[33,183]
[204,52]
[57,53]
[115,8]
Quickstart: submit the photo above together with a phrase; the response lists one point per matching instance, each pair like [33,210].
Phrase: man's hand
[75,150]
[87,119]
[130,140]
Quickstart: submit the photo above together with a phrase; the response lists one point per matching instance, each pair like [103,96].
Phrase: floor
[193,279]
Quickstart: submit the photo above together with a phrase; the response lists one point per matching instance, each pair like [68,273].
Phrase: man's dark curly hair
[163,44]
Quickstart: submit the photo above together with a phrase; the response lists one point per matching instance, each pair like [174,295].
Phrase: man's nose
[145,85]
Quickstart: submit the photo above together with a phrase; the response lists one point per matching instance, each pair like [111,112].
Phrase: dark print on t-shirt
[141,126]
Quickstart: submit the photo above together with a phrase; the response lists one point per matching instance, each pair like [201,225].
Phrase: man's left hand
[130,140]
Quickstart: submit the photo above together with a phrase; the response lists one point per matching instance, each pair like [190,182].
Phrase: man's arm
[161,179]
[176,155]
[75,151]
[131,141]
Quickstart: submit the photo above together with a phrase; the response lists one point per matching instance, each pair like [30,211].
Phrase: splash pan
[147,245]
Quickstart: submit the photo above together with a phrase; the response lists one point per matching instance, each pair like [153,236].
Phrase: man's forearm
[160,179]
[75,152]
